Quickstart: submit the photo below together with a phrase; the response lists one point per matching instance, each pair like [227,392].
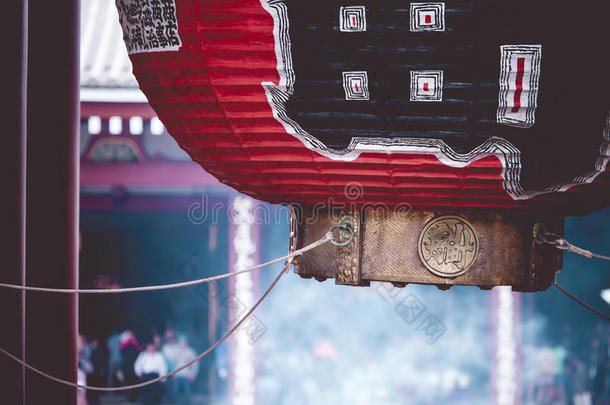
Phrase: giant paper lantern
[448,135]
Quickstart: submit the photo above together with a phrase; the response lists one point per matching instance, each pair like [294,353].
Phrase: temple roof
[105,69]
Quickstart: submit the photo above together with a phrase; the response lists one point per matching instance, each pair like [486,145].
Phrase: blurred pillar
[244,252]
[505,363]
[12,178]
[52,197]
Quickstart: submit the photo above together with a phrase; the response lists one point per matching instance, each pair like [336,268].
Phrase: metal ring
[550,238]
[343,227]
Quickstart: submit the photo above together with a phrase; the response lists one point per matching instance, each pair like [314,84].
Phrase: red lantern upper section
[370,105]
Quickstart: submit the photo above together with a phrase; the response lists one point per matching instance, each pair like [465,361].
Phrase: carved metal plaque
[478,249]
[448,246]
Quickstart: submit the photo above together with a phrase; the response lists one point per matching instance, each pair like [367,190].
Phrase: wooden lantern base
[478,249]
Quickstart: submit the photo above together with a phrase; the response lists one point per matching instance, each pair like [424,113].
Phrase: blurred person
[606,395]
[170,347]
[184,378]
[560,355]
[149,365]
[115,359]
[544,388]
[156,340]
[599,380]
[130,347]
[582,394]
[169,350]
[84,355]
[597,366]
[84,368]
[81,393]
[96,378]
[568,382]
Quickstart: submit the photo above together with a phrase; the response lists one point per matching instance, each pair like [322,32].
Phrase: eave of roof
[105,68]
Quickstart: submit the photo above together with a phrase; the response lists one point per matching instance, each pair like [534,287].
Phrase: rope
[584,304]
[565,245]
[327,238]
[561,243]
[144,384]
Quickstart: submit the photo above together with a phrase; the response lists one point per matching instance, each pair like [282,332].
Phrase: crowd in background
[126,361]
[575,371]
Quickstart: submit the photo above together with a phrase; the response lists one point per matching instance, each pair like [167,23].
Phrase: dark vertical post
[52,196]
[12,214]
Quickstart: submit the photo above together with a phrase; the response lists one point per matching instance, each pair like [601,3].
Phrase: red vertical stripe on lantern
[519,84]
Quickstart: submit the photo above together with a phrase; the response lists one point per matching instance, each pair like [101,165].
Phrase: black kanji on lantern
[149,25]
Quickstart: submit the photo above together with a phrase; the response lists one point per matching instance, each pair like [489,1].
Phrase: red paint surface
[428,19]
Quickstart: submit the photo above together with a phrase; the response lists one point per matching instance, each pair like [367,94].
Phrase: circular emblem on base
[448,246]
